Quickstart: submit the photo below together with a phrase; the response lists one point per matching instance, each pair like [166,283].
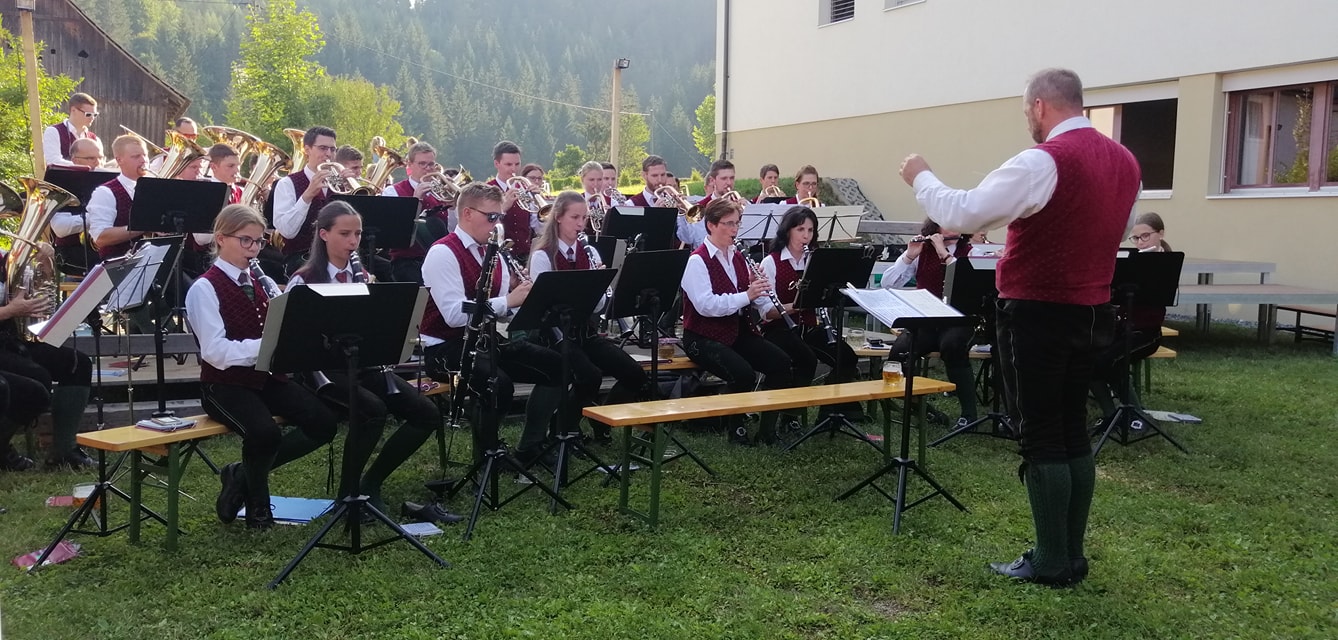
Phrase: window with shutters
[832,11]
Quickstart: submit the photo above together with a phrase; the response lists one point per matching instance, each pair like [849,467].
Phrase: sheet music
[759,221]
[136,284]
[839,223]
[61,325]
[888,305]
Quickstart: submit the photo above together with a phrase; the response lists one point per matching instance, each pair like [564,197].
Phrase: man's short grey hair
[1058,87]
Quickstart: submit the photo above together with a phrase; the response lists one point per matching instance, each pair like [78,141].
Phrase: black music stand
[969,287]
[318,327]
[828,271]
[146,284]
[562,302]
[1149,279]
[80,184]
[387,223]
[648,278]
[655,225]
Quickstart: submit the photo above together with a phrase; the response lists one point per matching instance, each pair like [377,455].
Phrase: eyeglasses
[91,114]
[325,147]
[1142,237]
[425,163]
[247,241]
[98,158]
[808,184]
[492,216]
[732,223]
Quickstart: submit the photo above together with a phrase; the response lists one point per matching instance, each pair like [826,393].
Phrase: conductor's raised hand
[912,166]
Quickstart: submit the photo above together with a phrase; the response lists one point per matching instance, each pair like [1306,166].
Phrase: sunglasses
[92,114]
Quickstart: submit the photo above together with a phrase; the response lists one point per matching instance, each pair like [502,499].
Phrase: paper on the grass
[295,510]
[889,305]
[421,529]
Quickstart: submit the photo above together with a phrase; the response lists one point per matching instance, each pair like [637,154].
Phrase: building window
[1283,137]
[1147,129]
[835,11]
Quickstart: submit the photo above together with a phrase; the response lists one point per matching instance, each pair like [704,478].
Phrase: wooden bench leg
[175,466]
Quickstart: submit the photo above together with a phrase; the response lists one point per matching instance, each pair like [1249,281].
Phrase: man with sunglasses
[58,138]
[299,196]
[451,271]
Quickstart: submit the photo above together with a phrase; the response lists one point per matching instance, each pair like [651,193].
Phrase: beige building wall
[964,140]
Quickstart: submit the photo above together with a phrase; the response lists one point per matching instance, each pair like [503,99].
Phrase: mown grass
[1236,540]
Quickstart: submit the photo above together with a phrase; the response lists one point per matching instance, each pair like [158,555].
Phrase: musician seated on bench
[926,259]
[338,234]
[1148,235]
[227,314]
[718,289]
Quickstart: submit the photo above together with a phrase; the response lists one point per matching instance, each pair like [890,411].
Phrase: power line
[693,156]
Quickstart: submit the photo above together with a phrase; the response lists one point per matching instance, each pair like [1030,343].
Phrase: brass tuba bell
[23,276]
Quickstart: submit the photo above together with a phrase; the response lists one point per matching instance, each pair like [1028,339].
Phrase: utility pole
[615,133]
[26,8]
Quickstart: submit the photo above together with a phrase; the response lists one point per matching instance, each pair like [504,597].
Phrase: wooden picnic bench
[653,418]
[1323,330]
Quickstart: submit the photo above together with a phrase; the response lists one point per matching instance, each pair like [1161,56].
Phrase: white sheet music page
[890,304]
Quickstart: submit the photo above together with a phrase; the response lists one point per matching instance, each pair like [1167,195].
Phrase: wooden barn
[128,93]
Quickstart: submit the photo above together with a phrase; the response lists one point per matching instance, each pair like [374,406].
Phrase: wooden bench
[1167,332]
[1268,296]
[1162,353]
[652,417]
[1318,330]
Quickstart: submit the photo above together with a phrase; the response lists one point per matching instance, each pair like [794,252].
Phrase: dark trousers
[47,364]
[738,364]
[591,358]
[492,384]
[1047,352]
[418,417]
[807,346]
[265,446]
[1109,367]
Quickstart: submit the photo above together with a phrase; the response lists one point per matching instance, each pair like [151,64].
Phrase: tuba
[179,154]
[270,160]
[387,161]
[299,158]
[528,200]
[154,149]
[23,276]
[344,186]
[244,143]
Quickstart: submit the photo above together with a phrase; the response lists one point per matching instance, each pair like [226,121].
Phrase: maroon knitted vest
[560,262]
[301,242]
[67,139]
[723,330]
[639,200]
[517,225]
[436,208]
[433,323]
[243,319]
[930,272]
[1065,253]
[787,281]
[123,203]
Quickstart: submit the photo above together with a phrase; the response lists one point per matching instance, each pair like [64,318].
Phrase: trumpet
[811,203]
[599,209]
[341,185]
[615,197]
[667,196]
[772,191]
[442,187]
[528,200]
[771,293]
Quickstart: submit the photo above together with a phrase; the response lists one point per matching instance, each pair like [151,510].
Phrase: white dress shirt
[207,324]
[334,272]
[692,235]
[1017,189]
[441,275]
[66,223]
[769,264]
[539,262]
[697,286]
[101,209]
[390,191]
[51,144]
[290,210]
[901,272]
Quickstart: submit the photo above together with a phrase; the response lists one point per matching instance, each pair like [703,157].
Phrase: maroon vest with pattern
[930,271]
[436,209]
[1097,185]
[787,281]
[301,242]
[516,221]
[243,319]
[639,200]
[123,203]
[433,323]
[723,330]
[67,139]
[561,263]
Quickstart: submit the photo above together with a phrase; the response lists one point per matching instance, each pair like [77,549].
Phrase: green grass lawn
[1236,540]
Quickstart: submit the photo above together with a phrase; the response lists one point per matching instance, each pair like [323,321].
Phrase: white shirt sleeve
[290,210]
[697,288]
[539,263]
[293,281]
[203,239]
[1020,187]
[207,325]
[51,147]
[390,191]
[101,212]
[441,275]
[901,272]
[769,268]
[66,223]
[692,235]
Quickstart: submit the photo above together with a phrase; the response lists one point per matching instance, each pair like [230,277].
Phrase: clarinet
[360,276]
[824,318]
[476,338]
[770,294]
[272,291]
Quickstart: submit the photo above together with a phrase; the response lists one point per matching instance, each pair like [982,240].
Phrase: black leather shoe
[1078,565]
[76,459]
[1022,571]
[259,513]
[15,461]
[232,496]
[429,512]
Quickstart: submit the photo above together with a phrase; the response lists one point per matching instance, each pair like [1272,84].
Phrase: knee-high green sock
[1049,490]
[544,403]
[965,379]
[398,447]
[1082,474]
[67,409]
